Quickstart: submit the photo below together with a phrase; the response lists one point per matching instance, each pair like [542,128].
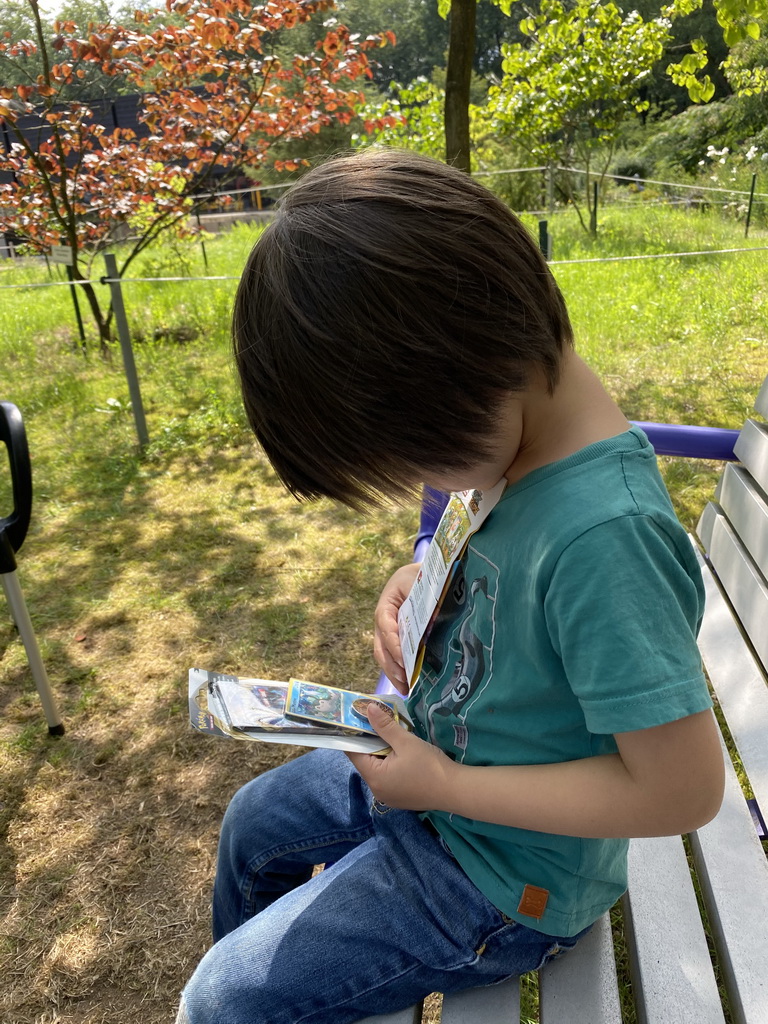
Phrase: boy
[396,325]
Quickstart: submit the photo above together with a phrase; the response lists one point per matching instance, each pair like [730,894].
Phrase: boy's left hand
[415,776]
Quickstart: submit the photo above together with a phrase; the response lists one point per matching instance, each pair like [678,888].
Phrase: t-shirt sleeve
[623,608]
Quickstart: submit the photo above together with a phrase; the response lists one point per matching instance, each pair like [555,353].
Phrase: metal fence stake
[126,348]
[545,239]
[749,208]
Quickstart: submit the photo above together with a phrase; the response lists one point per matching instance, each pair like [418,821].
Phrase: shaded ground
[107,835]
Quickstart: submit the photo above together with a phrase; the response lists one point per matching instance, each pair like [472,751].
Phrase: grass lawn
[137,567]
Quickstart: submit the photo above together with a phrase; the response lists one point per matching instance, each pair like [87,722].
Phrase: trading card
[254,703]
[361,704]
[331,705]
[315,702]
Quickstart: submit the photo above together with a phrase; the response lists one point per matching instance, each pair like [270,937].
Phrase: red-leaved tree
[214,98]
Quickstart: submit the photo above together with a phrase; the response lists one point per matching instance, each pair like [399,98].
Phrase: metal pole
[126,348]
[545,239]
[551,187]
[749,208]
[20,615]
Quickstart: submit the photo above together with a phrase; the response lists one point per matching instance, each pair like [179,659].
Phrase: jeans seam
[372,988]
[357,995]
[250,873]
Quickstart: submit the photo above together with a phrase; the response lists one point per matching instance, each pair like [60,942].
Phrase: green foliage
[565,95]
[422,36]
[740,21]
[418,110]
[685,73]
[747,68]
[412,117]
[571,87]
[444,7]
[678,146]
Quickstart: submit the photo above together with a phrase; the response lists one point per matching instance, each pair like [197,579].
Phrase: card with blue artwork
[331,705]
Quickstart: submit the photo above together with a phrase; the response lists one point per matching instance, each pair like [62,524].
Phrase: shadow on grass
[108,835]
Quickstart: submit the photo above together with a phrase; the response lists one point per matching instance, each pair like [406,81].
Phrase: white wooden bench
[713,883]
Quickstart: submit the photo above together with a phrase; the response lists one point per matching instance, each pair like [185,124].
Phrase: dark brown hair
[380,318]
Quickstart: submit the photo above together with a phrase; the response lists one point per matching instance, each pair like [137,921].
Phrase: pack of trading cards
[297,711]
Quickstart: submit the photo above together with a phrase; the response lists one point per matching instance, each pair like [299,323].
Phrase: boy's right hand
[386,636]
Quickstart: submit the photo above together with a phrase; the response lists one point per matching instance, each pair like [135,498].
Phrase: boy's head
[382,317]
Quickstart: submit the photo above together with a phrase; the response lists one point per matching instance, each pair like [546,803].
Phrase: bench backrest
[733,530]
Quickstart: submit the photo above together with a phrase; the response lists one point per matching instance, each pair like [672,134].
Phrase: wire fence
[185,279]
[115,283]
[256,197]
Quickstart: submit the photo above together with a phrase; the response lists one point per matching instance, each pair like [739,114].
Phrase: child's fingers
[387,651]
[386,636]
[389,666]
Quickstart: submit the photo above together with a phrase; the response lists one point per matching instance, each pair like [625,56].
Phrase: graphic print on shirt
[458,661]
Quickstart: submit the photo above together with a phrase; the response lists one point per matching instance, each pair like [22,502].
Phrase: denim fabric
[393,919]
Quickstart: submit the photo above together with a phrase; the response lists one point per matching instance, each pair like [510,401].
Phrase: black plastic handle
[13,528]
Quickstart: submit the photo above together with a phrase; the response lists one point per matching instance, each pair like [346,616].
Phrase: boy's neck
[580,412]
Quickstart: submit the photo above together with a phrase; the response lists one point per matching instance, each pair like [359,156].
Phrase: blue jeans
[393,919]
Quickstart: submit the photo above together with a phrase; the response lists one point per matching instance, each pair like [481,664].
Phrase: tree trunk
[102,322]
[461,52]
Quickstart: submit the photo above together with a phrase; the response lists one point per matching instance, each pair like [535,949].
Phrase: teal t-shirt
[572,616]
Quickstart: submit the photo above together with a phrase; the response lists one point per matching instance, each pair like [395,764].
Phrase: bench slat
[494,1004]
[746,589]
[747,511]
[673,978]
[581,987]
[733,873]
[739,683]
[751,449]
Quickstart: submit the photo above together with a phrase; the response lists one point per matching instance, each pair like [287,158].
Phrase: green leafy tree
[413,119]
[565,94]
[740,21]
[658,88]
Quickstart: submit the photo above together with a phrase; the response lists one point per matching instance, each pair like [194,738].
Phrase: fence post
[545,239]
[202,240]
[593,214]
[125,346]
[551,187]
[749,208]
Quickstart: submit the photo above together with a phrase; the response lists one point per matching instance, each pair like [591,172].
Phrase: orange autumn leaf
[331,44]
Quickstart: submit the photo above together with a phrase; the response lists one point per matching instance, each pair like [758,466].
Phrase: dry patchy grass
[107,835]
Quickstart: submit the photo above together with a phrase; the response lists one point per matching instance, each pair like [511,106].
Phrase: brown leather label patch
[534,902]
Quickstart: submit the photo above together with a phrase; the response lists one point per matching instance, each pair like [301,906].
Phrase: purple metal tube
[691,442]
